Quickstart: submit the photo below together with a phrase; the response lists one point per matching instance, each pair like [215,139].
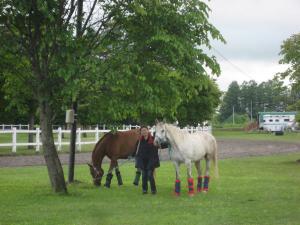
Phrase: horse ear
[164,120]
[90,165]
[156,121]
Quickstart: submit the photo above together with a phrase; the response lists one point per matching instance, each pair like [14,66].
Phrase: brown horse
[118,145]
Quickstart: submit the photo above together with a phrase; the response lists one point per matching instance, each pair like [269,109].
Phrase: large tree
[290,52]
[43,32]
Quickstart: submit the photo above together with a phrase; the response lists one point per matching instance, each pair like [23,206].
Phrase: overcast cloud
[254,31]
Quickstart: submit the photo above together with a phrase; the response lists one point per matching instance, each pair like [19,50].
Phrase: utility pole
[75,102]
[251,111]
[232,114]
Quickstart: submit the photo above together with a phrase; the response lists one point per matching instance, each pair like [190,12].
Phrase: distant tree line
[251,98]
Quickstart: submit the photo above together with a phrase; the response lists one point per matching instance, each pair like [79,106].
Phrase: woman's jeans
[148,175]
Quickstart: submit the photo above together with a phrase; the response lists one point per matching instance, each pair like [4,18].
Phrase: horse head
[96,174]
[160,133]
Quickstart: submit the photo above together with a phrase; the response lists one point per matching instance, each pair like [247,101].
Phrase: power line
[232,64]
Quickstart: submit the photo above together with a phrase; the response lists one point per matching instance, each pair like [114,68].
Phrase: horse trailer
[277,121]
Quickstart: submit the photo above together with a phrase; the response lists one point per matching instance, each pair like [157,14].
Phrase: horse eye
[162,131]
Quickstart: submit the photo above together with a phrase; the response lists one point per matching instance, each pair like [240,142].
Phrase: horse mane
[102,138]
[176,131]
[100,142]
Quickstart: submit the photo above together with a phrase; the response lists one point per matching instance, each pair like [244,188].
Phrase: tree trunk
[54,167]
[31,127]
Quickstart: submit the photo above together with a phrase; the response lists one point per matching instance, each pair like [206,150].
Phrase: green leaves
[145,62]
[290,51]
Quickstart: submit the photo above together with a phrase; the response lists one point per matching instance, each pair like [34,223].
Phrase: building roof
[276,113]
[261,114]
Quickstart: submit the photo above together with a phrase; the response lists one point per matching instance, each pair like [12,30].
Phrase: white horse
[188,148]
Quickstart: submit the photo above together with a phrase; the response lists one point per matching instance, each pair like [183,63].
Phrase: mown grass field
[219,133]
[255,190]
[257,136]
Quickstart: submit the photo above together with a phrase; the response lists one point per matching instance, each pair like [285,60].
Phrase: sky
[254,31]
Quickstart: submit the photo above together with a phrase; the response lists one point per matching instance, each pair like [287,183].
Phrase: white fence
[59,141]
[11,126]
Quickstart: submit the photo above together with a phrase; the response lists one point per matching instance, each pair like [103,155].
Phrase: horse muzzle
[97,181]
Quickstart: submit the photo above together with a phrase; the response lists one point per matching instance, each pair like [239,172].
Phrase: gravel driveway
[227,149]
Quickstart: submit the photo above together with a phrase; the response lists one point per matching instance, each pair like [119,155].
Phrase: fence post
[37,139]
[14,140]
[59,139]
[79,139]
[96,134]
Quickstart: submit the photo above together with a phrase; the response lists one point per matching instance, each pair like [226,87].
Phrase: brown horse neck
[97,155]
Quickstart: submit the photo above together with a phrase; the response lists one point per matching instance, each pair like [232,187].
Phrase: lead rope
[137,148]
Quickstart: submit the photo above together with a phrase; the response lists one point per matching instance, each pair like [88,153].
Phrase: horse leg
[177,181]
[137,177]
[199,171]
[118,174]
[190,178]
[206,177]
[109,175]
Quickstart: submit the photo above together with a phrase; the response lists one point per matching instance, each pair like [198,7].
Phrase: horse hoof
[199,190]
[176,194]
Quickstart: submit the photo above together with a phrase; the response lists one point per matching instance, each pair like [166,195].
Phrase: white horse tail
[215,159]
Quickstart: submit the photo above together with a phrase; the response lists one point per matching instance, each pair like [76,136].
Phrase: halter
[97,172]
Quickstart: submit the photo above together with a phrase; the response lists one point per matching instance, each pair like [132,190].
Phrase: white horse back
[196,146]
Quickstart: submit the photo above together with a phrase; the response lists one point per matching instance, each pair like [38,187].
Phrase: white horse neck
[174,135]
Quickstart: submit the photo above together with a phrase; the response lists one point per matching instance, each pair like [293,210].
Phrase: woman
[147,159]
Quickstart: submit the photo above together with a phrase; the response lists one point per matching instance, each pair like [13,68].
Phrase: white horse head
[160,134]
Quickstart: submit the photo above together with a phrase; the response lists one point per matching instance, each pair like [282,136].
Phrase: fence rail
[59,140]
[11,126]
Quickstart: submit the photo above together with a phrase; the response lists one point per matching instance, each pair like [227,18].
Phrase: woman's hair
[150,138]
[144,126]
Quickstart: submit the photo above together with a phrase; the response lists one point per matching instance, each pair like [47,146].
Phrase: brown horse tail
[215,160]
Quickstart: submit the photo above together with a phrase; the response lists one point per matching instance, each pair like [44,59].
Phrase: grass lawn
[287,137]
[255,190]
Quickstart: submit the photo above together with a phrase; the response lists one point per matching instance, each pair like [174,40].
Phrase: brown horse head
[96,174]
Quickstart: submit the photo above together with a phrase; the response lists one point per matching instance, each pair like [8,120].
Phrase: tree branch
[89,16]
[72,10]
